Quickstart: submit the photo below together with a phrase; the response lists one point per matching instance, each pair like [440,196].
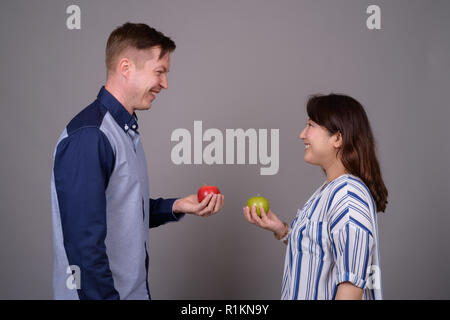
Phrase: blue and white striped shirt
[333,239]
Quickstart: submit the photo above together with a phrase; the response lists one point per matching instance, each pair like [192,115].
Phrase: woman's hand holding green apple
[268,221]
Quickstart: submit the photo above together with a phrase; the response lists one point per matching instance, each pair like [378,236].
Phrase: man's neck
[118,93]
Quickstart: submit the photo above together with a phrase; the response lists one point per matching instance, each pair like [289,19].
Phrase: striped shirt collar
[118,111]
[326,184]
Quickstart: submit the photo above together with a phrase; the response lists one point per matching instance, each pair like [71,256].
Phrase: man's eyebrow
[163,67]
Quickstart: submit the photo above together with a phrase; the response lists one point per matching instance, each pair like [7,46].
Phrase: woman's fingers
[256,218]
[247,214]
[264,218]
[252,216]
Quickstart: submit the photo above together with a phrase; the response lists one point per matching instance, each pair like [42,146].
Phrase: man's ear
[125,66]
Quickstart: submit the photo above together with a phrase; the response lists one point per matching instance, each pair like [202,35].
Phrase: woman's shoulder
[349,182]
[350,201]
[349,185]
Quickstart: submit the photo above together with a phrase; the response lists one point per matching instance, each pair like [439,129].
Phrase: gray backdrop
[238,64]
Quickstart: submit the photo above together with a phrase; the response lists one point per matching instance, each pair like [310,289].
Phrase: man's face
[148,77]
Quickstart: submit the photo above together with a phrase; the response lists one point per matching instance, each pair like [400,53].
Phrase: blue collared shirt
[101,206]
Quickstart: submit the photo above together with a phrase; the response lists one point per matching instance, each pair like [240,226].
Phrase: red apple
[205,190]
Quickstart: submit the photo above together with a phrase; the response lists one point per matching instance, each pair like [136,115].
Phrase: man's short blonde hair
[138,36]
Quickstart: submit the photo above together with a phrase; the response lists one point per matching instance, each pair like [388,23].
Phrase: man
[101,205]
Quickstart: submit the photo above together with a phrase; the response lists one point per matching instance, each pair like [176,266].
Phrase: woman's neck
[335,171]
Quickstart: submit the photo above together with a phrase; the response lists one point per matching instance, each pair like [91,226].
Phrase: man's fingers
[206,211]
[202,205]
[219,203]
[212,203]
[216,208]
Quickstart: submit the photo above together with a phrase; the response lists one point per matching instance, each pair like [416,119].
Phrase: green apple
[258,202]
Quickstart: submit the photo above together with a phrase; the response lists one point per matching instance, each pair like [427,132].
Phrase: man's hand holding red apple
[209,205]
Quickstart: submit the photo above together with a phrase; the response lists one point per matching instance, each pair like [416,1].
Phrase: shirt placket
[135,137]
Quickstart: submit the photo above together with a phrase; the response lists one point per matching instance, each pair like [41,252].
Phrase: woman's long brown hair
[341,113]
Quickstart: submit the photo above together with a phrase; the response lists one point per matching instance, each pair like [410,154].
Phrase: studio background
[238,64]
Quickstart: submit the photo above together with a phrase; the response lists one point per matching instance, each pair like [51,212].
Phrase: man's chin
[145,107]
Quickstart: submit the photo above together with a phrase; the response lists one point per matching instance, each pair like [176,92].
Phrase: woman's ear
[337,137]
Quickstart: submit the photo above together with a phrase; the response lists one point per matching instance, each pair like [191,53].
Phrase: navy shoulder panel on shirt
[83,164]
[83,132]
[91,116]
[87,146]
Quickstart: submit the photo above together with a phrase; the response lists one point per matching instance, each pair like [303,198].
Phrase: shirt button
[133,126]
[126,127]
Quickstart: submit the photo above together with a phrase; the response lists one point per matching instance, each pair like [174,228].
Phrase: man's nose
[164,83]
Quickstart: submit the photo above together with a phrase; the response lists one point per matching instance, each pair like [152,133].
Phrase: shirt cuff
[352,278]
[176,216]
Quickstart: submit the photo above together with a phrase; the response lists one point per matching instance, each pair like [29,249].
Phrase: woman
[332,244]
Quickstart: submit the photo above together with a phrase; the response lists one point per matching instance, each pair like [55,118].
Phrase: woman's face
[320,147]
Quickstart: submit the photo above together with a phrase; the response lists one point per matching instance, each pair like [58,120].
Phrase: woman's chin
[310,161]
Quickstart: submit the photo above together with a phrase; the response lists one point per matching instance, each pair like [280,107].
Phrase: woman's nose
[302,134]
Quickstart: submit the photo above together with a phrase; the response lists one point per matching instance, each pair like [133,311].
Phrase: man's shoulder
[85,131]
[90,117]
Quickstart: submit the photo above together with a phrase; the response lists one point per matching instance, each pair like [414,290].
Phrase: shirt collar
[118,111]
